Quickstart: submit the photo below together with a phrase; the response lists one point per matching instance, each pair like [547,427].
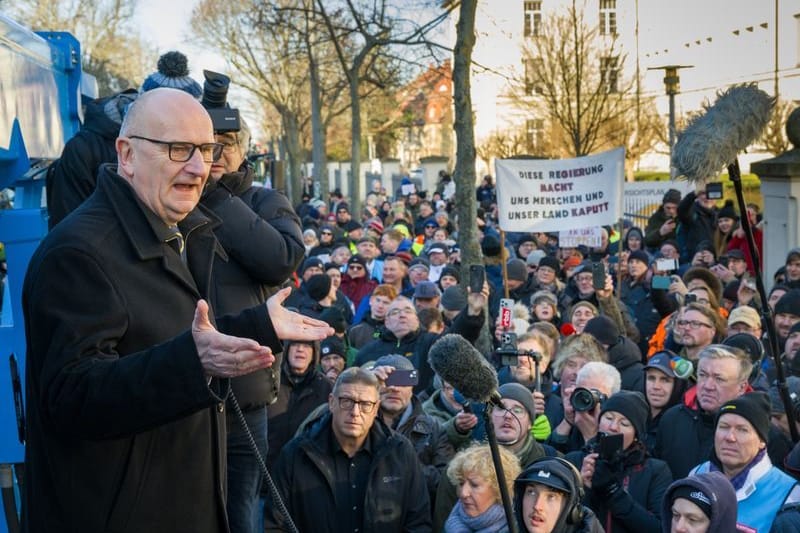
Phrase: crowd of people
[189,333]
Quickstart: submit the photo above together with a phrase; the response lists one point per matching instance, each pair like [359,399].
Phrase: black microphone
[461,365]
[712,140]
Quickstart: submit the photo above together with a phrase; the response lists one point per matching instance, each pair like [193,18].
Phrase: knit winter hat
[603,329]
[672,196]
[727,211]
[550,262]
[517,270]
[318,286]
[312,261]
[451,271]
[789,303]
[399,362]
[535,257]
[454,298]
[754,407]
[694,495]
[173,73]
[518,392]
[334,318]
[333,346]
[631,405]
[639,255]
[490,246]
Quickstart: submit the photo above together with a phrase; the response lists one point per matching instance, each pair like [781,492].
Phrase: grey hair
[243,137]
[720,351]
[605,371]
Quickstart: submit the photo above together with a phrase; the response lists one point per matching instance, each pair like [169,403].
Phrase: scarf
[492,520]
[738,480]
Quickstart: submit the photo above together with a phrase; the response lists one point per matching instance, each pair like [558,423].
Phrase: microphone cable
[273,490]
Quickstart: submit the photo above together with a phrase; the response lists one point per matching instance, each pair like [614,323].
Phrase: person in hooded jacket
[705,503]
[697,217]
[636,293]
[74,176]
[663,389]
[625,491]
[623,354]
[548,497]
[303,389]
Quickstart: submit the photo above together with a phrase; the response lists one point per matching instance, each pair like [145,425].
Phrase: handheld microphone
[683,368]
[460,364]
[713,139]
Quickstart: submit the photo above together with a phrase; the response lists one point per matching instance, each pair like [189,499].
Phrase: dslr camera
[215,100]
[584,399]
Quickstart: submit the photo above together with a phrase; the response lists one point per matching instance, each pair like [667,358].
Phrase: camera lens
[583,399]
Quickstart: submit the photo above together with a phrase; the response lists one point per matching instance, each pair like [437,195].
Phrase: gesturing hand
[223,355]
[294,326]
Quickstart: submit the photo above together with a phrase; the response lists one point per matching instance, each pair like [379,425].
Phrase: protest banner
[553,195]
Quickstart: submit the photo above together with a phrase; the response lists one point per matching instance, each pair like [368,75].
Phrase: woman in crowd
[581,313]
[625,489]
[544,307]
[479,507]
[634,240]
[727,222]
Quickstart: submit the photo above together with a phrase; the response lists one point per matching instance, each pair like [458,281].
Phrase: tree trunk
[294,178]
[464,174]
[355,150]
[318,136]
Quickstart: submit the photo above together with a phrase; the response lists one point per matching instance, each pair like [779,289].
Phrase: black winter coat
[697,225]
[124,431]
[626,357]
[297,398]
[73,178]
[263,241]
[685,437]
[396,499]
[636,507]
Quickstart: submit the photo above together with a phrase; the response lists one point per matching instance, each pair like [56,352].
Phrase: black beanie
[490,246]
[755,407]
[672,196]
[631,405]
[550,262]
[450,270]
[603,329]
[789,303]
[727,211]
[318,286]
[335,318]
[694,495]
[639,255]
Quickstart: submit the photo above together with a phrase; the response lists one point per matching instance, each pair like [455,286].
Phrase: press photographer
[263,241]
[624,487]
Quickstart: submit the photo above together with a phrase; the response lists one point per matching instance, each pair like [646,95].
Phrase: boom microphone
[461,365]
[713,139]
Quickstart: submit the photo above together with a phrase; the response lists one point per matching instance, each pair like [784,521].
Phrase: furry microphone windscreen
[713,139]
[461,365]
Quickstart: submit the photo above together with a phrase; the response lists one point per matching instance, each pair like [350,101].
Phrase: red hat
[376,226]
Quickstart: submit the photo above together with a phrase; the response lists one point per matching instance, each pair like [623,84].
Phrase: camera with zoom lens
[584,399]
[215,99]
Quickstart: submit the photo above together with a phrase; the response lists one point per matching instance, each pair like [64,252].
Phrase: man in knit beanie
[740,452]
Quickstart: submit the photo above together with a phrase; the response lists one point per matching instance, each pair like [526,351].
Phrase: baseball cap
[426,289]
[746,315]
[662,361]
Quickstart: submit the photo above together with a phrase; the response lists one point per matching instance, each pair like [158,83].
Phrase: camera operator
[594,384]
[262,238]
[624,487]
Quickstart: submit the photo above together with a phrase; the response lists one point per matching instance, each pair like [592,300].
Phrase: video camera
[584,399]
[215,96]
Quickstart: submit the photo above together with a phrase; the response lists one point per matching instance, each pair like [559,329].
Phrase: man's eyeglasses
[694,324]
[230,147]
[404,311]
[516,411]
[347,404]
[181,152]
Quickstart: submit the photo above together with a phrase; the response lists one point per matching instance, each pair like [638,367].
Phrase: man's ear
[124,156]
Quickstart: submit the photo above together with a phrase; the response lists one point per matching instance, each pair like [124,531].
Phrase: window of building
[534,136]
[609,73]
[532,13]
[532,75]
[608,17]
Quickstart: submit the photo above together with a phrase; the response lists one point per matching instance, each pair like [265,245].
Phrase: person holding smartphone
[624,486]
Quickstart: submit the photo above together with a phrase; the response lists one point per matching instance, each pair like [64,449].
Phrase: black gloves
[606,480]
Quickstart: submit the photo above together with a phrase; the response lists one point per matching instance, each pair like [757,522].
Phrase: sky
[165,23]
